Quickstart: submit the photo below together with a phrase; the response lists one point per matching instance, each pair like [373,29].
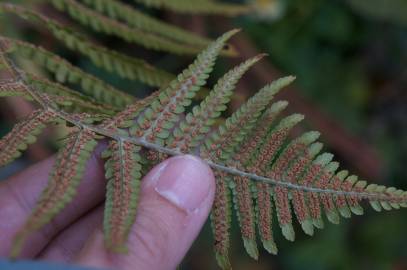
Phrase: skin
[175,200]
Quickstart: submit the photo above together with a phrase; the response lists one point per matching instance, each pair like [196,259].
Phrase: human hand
[175,200]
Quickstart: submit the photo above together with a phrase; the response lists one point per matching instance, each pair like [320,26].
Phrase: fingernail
[185,182]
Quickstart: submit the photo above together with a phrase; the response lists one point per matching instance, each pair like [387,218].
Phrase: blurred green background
[350,59]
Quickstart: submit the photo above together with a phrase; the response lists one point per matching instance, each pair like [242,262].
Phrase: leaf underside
[262,172]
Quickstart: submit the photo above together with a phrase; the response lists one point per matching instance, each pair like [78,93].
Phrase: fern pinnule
[340,200]
[264,217]
[298,197]
[23,134]
[123,174]
[221,218]
[274,140]
[191,130]
[281,200]
[252,145]
[322,200]
[355,208]
[325,181]
[312,173]
[242,198]
[65,178]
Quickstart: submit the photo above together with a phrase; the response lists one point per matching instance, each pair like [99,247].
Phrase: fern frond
[298,198]
[340,200]
[160,117]
[197,123]
[281,165]
[71,100]
[263,207]
[65,178]
[198,6]
[223,142]
[250,152]
[65,98]
[221,218]
[221,146]
[65,72]
[111,61]
[140,20]
[123,174]
[23,134]
[314,198]
[106,25]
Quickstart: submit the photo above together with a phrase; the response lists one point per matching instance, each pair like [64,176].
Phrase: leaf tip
[251,247]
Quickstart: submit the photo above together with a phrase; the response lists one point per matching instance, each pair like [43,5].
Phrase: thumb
[175,200]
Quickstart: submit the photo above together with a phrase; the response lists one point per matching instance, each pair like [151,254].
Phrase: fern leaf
[245,213]
[251,145]
[160,117]
[313,173]
[242,194]
[137,19]
[106,25]
[64,179]
[263,208]
[198,122]
[321,182]
[224,141]
[222,145]
[352,201]
[340,200]
[123,174]
[250,151]
[281,165]
[326,199]
[298,198]
[221,220]
[71,100]
[64,97]
[66,72]
[198,6]
[112,61]
[23,134]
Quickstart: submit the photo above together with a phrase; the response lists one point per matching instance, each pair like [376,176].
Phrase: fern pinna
[261,171]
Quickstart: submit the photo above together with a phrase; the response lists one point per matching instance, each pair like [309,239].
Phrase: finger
[19,194]
[176,197]
[67,245]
